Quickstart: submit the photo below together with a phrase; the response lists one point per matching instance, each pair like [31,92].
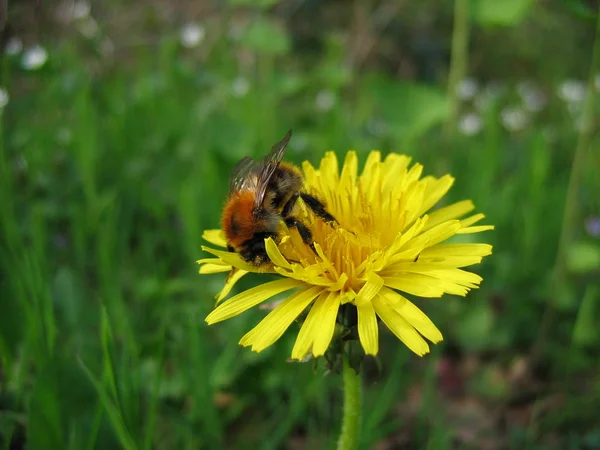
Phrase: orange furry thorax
[238,222]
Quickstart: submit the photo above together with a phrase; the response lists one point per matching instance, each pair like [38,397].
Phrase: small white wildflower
[13,46]
[325,100]
[89,27]
[470,124]
[533,98]
[34,57]
[514,118]
[240,87]
[4,97]
[572,91]
[467,89]
[191,35]
[80,10]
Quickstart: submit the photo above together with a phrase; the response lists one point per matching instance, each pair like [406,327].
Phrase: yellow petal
[214,268]
[412,314]
[215,237]
[349,172]
[252,297]
[454,255]
[277,321]
[400,327]
[367,328]
[415,284]
[233,278]
[306,336]
[478,229]
[275,255]
[471,220]
[450,212]
[435,235]
[436,189]
[236,260]
[369,290]
[456,250]
[211,261]
[339,284]
[403,238]
[457,276]
[324,323]
[329,169]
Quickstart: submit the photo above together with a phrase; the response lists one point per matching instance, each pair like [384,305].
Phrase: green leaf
[111,408]
[410,109]
[583,257]
[265,37]
[67,295]
[585,331]
[503,13]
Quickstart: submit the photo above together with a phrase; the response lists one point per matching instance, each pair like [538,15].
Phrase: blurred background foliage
[120,124]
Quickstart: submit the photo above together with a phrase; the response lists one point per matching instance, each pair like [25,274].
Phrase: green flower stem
[459,59]
[351,424]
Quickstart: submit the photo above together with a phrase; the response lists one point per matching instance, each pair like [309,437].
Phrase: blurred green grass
[111,165]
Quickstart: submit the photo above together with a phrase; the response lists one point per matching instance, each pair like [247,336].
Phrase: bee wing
[240,173]
[268,167]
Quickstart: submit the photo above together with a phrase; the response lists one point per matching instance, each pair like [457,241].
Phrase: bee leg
[317,208]
[303,230]
[289,206]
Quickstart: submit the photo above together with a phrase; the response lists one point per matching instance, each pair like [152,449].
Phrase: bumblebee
[261,195]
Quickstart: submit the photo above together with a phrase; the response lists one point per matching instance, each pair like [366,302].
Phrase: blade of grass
[111,408]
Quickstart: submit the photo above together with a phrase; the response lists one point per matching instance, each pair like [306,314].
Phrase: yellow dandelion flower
[387,244]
